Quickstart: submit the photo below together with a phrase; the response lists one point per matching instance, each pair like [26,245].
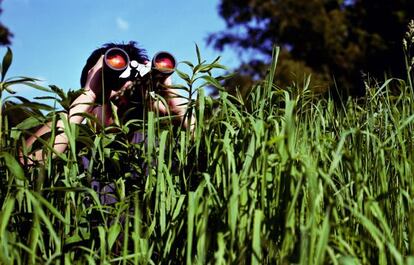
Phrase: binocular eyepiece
[118,68]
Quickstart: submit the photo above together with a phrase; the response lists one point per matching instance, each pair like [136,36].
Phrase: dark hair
[131,49]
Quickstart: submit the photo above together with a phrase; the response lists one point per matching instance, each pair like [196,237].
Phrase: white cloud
[122,24]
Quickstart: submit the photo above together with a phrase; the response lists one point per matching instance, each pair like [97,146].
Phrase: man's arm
[82,104]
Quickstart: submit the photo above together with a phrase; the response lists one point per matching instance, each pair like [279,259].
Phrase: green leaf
[323,240]
[188,63]
[178,207]
[50,207]
[183,76]
[7,59]
[28,123]
[5,214]
[20,79]
[37,86]
[212,81]
[198,54]
[113,234]
[13,165]
[256,242]
[44,217]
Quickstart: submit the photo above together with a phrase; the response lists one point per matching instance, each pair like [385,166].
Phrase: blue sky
[52,39]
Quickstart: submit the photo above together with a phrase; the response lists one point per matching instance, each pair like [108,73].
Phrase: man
[97,97]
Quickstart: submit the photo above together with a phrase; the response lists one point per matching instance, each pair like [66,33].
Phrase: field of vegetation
[278,177]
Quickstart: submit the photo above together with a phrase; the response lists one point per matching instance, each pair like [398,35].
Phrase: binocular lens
[164,61]
[117,59]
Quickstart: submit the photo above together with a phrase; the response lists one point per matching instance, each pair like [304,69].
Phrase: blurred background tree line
[338,42]
[5,34]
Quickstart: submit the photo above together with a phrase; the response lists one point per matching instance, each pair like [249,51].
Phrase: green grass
[279,177]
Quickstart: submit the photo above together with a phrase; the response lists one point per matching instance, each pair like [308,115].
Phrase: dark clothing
[107,192]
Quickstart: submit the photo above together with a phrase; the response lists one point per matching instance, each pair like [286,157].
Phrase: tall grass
[278,177]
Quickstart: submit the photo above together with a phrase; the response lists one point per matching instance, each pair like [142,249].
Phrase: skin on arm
[82,104]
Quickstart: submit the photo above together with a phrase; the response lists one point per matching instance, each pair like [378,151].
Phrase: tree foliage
[334,40]
[5,34]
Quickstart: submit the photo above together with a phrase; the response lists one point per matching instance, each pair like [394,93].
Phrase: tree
[5,34]
[337,41]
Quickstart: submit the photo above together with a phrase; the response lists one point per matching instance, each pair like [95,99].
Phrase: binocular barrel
[163,62]
[117,62]
[116,59]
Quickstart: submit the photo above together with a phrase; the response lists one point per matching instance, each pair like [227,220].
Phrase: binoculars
[118,68]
